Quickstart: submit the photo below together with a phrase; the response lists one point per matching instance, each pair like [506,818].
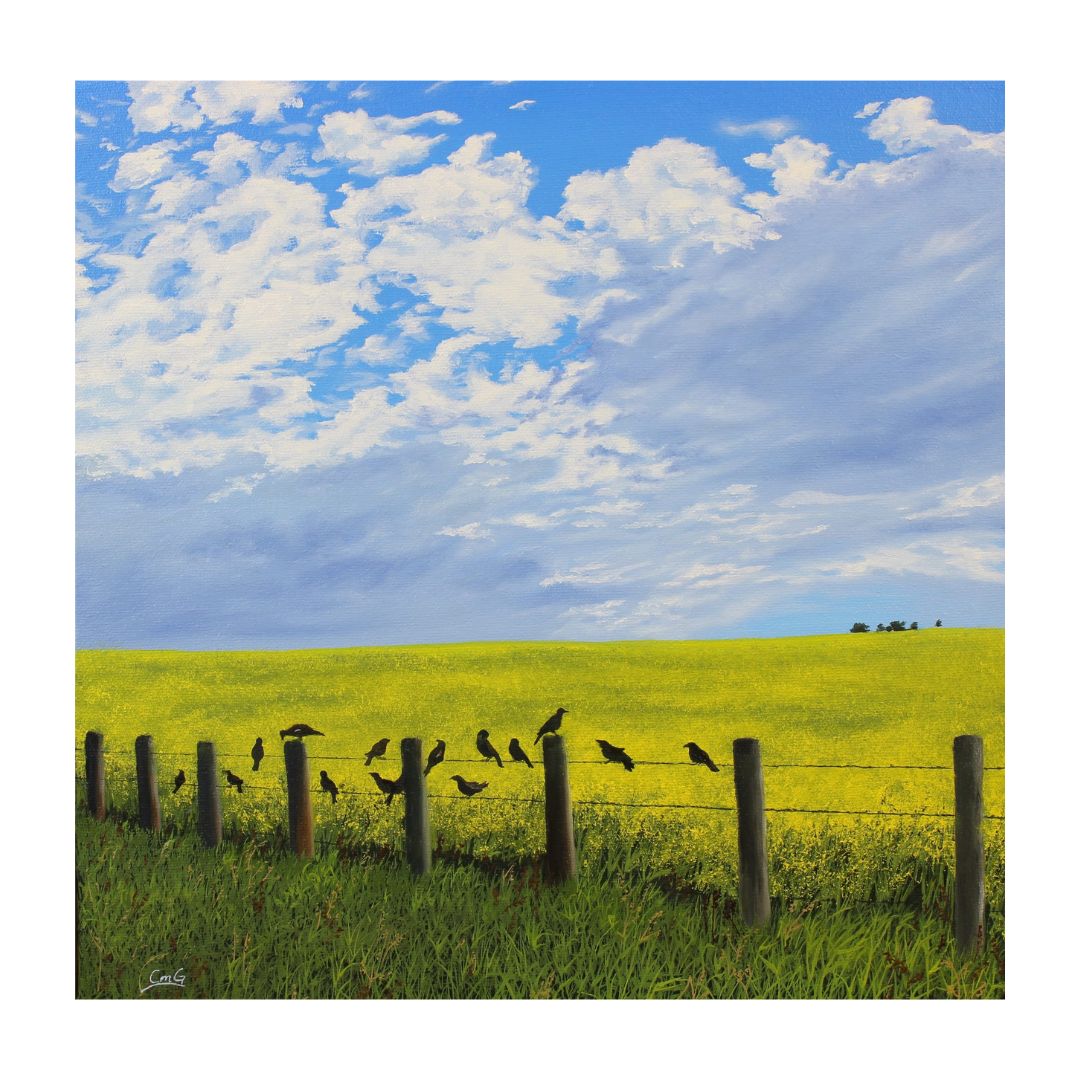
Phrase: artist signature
[163,978]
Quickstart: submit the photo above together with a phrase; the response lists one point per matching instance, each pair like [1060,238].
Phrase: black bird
[517,754]
[179,782]
[378,750]
[298,731]
[551,726]
[328,785]
[257,754]
[699,757]
[469,788]
[234,781]
[483,744]
[436,756]
[389,788]
[616,754]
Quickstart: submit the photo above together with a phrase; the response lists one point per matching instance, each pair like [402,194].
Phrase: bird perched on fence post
[298,731]
[438,752]
[551,725]
[469,788]
[234,781]
[257,754]
[517,754]
[378,750]
[483,744]
[700,757]
[616,754]
[328,786]
[179,782]
[389,788]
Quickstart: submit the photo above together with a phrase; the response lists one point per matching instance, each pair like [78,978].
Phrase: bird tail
[427,769]
[367,760]
[538,737]
[498,760]
[712,767]
[628,765]
[333,798]
[255,766]
[240,788]
[389,798]
[529,763]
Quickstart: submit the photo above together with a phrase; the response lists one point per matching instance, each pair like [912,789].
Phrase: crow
[616,754]
[179,782]
[517,754]
[552,725]
[469,788]
[234,781]
[436,756]
[328,785]
[699,757]
[298,731]
[389,788]
[378,750]
[483,744]
[257,754]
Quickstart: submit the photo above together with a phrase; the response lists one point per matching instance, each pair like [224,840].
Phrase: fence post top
[745,746]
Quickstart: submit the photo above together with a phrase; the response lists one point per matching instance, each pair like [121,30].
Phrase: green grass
[876,698]
[245,923]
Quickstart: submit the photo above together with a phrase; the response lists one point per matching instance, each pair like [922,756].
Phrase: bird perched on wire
[234,781]
[551,725]
[257,754]
[700,757]
[483,744]
[179,782]
[328,786]
[389,788]
[436,756]
[517,754]
[469,788]
[298,731]
[616,754]
[378,750]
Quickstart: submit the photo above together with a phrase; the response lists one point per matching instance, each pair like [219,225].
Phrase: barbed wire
[190,754]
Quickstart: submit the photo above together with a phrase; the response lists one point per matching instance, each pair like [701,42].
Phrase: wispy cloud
[775,128]
[521,106]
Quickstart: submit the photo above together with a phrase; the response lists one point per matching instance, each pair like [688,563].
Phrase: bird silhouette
[328,785]
[483,744]
[389,788]
[551,725]
[257,754]
[298,731]
[438,752]
[616,754]
[699,757]
[469,788]
[234,781]
[179,782]
[378,750]
[517,754]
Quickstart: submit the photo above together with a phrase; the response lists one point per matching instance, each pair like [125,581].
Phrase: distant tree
[914,626]
[897,624]
[859,628]
[938,623]
[881,626]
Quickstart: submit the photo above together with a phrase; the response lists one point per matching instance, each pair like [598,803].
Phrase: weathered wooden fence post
[753,852]
[298,779]
[970,884]
[417,827]
[558,813]
[147,780]
[95,774]
[209,794]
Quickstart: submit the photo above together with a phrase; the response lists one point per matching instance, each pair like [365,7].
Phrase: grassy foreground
[244,923]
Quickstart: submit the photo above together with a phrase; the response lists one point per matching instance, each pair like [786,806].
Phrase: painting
[539,540]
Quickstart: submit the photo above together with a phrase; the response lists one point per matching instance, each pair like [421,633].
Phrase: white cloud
[144,166]
[775,128]
[523,105]
[592,574]
[907,124]
[959,500]
[868,110]
[157,106]
[243,484]
[798,170]
[472,531]
[359,93]
[377,145]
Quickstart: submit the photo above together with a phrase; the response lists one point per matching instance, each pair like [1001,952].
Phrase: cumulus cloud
[908,124]
[377,145]
[144,166]
[159,106]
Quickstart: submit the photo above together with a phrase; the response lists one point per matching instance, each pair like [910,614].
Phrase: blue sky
[362,363]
